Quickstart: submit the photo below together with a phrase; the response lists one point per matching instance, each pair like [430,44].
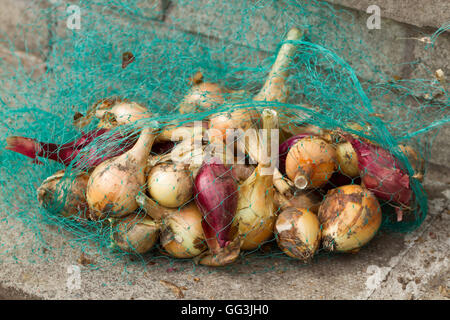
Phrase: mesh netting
[237,65]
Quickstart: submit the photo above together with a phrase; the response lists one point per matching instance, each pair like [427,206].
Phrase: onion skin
[217,199]
[298,233]
[312,161]
[123,112]
[170,184]
[203,96]
[382,174]
[302,200]
[286,146]
[88,151]
[114,184]
[182,233]
[67,194]
[347,159]
[350,217]
[135,233]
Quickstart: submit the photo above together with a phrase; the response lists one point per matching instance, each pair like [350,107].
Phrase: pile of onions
[310,162]
[350,217]
[298,233]
[217,199]
[65,194]
[256,207]
[114,184]
[135,233]
[170,184]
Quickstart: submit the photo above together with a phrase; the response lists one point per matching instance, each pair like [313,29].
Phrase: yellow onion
[203,96]
[347,159]
[256,207]
[350,217]
[298,233]
[182,234]
[136,233]
[170,184]
[114,184]
[309,200]
[310,162]
[417,162]
[65,194]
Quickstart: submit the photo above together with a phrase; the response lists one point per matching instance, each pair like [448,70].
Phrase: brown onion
[298,233]
[347,159]
[65,194]
[350,217]
[311,162]
[136,233]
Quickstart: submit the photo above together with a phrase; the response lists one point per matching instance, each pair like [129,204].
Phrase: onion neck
[141,149]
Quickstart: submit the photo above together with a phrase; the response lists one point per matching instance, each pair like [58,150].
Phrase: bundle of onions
[114,184]
[298,233]
[256,207]
[181,229]
[383,174]
[136,233]
[350,217]
[217,199]
[65,194]
[170,184]
[310,162]
[86,152]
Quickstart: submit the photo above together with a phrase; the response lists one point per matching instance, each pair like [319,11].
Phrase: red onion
[217,199]
[382,174]
[285,146]
[89,150]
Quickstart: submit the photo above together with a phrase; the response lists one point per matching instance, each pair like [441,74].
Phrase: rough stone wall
[402,23]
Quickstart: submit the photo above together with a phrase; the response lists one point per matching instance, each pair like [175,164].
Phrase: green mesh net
[332,87]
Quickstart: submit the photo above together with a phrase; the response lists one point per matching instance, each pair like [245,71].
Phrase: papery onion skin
[182,233]
[66,194]
[136,233]
[309,200]
[313,160]
[382,173]
[86,152]
[347,159]
[217,199]
[124,112]
[170,184]
[202,96]
[298,233]
[350,217]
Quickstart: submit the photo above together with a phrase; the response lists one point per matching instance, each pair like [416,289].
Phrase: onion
[170,184]
[217,199]
[241,172]
[310,162]
[417,162]
[65,194]
[182,233]
[309,200]
[88,151]
[256,207]
[114,184]
[123,112]
[202,96]
[350,217]
[135,233]
[298,233]
[347,159]
[383,174]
